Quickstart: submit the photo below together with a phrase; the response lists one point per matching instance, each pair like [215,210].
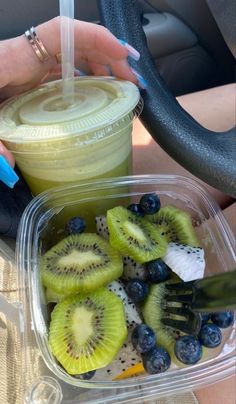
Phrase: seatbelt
[224,13]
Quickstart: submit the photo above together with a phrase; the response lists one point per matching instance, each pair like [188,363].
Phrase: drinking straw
[67,50]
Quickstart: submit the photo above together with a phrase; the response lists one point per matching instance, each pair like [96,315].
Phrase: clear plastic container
[41,227]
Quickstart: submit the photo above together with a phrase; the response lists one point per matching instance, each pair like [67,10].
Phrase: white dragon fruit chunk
[132,316]
[186,261]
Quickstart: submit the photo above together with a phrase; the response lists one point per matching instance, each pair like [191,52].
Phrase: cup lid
[40,114]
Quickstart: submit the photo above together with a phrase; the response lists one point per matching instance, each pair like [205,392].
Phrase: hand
[96,50]
[7,174]
[7,155]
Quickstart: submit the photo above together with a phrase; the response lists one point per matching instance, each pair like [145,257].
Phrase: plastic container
[56,144]
[41,226]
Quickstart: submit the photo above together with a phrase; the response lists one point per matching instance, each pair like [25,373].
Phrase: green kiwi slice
[80,262]
[175,225]
[134,236]
[54,297]
[87,331]
[153,313]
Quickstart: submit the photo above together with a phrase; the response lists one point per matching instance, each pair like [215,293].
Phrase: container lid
[41,115]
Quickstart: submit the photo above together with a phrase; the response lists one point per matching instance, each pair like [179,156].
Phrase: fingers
[97,41]
[7,174]
[99,69]
[122,69]
[97,51]
[119,69]
[95,47]
[5,153]
[103,51]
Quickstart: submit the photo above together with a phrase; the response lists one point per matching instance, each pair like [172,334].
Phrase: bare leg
[214,109]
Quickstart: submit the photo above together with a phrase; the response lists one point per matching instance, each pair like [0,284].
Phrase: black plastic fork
[186,300]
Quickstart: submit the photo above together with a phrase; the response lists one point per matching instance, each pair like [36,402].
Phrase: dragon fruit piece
[126,358]
[101,226]
[186,261]
[132,315]
[133,269]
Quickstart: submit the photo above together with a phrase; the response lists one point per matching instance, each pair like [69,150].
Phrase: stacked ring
[37,45]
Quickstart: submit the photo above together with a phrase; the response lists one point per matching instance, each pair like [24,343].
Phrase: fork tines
[191,323]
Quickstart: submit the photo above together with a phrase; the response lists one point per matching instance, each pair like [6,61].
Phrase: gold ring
[37,45]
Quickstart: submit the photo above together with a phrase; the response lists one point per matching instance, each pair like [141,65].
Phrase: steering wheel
[208,155]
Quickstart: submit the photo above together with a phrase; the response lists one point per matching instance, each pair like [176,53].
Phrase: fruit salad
[108,290]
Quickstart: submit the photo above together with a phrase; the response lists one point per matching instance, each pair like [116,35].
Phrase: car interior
[183,37]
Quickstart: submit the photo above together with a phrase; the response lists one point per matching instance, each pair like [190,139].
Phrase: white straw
[67,50]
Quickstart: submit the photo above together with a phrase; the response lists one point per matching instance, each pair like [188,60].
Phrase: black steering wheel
[208,155]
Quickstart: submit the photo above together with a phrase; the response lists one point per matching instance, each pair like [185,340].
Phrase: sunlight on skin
[213,108]
[4,152]
[222,392]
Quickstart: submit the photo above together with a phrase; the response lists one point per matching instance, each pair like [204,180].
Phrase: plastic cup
[55,144]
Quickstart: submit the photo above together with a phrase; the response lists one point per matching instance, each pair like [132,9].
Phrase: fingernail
[133,53]
[79,72]
[141,81]
[7,174]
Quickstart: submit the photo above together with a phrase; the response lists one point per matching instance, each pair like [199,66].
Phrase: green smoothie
[56,144]
[38,186]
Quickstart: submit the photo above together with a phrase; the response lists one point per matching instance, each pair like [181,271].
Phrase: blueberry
[143,338]
[223,319]
[136,208]
[137,290]
[157,360]
[188,349]
[210,335]
[86,376]
[150,203]
[157,271]
[205,317]
[75,225]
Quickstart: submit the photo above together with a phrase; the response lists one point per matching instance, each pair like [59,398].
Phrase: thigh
[214,109]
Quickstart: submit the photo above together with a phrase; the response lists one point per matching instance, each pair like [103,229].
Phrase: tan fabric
[9,338]
[10,391]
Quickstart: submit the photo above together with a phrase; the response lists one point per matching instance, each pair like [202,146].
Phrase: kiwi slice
[153,314]
[175,225]
[134,236]
[87,331]
[54,297]
[80,262]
